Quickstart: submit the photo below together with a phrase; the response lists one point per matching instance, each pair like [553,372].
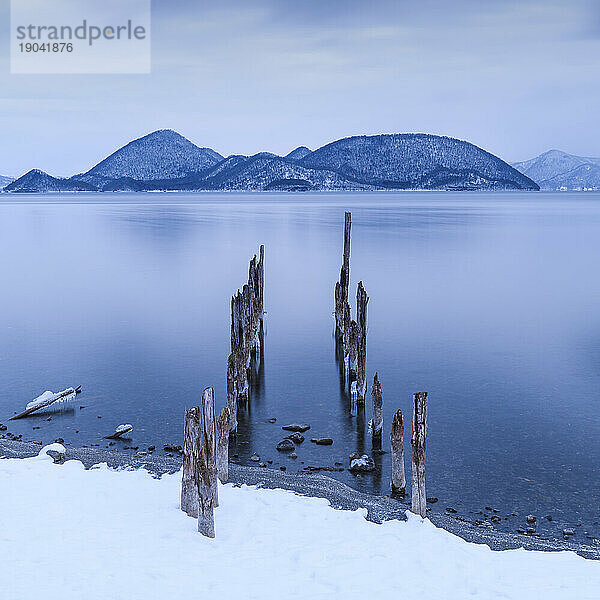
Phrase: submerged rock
[286,446]
[361,463]
[432,500]
[322,441]
[301,427]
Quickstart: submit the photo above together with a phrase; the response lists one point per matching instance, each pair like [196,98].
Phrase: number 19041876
[46,47]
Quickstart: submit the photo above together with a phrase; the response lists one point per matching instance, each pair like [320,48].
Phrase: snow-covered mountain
[4,181]
[417,161]
[164,160]
[163,154]
[35,181]
[557,170]
[299,153]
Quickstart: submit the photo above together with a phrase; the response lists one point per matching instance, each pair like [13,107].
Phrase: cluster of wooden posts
[246,333]
[351,335]
[206,441]
[351,344]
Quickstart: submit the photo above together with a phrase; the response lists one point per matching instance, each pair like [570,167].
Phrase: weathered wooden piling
[342,307]
[210,440]
[377,423]
[204,485]
[418,442]
[189,490]
[397,444]
[361,320]
[247,308]
[223,445]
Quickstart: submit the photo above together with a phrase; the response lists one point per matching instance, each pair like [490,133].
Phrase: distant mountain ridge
[557,170]
[4,180]
[165,160]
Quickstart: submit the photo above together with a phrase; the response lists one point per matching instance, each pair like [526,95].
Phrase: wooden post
[377,423]
[210,440]
[223,445]
[418,441]
[206,498]
[397,443]
[191,433]
[231,393]
[361,319]
[341,288]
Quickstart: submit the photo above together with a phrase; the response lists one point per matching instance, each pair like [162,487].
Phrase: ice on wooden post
[231,393]
[418,442]
[189,490]
[223,445]
[204,486]
[210,439]
[377,423]
[397,444]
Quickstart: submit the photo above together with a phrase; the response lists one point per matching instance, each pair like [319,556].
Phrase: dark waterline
[487,301]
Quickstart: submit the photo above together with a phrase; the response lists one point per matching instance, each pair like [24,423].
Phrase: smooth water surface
[488,301]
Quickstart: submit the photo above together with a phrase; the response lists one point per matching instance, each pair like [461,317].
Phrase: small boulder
[432,500]
[495,519]
[301,427]
[293,455]
[451,510]
[255,458]
[361,463]
[568,531]
[531,518]
[548,517]
[286,446]
[322,441]
[296,437]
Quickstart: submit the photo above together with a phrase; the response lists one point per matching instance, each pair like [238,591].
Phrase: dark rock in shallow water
[451,510]
[296,437]
[59,441]
[531,518]
[172,448]
[311,469]
[3,427]
[322,441]
[495,519]
[285,446]
[282,468]
[568,531]
[531,530]
[255,458]
[262,465]
[293,455]
[361,463]
[548,517]
[432,500]
[272,420]
[301,427]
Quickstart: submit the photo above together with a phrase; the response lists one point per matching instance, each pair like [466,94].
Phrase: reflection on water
[487,301]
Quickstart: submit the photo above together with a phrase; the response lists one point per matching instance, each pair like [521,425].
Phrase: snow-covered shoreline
[339,495]
[69,532]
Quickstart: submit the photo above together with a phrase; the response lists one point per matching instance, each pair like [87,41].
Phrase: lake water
[488,301]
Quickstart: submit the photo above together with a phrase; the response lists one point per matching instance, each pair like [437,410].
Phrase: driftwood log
[55,398]
[223,445]
[377,423]
[120,432]
[397,443]
[210,441]
[191,434]
[418,442]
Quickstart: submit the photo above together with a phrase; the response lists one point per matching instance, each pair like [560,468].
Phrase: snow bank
[67,533]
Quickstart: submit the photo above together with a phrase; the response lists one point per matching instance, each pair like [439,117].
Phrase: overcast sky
[242,76]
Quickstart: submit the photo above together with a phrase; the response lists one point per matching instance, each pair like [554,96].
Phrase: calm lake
[488,301]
